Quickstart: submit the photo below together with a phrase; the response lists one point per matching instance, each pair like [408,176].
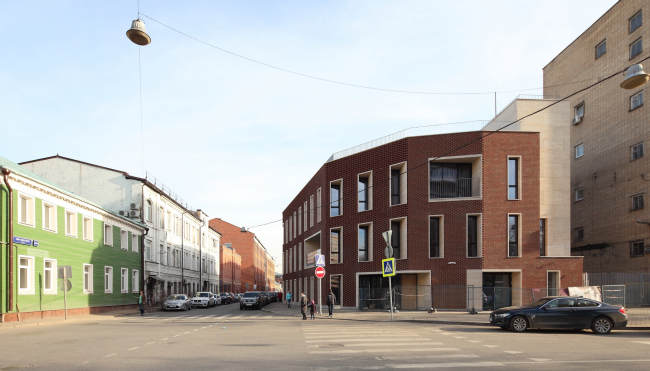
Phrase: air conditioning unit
[134,213]
[124,213]
[134,206]
[576,120]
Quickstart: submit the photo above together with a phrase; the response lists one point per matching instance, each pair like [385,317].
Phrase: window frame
[577,108]
[339,202]
[108,237]
[402,167]
[368,227]
[579,234]
[636,205]
[543,233]
[88,290]
[641,251]
[53,218]
[135,281]
[639,13]
[367,191]
[135,247]
[124,239]
[305,218]
[66,214]
[299,220]
[30,271]
[479,235]
[403,236]
[311,211]
[640,41]
[558,283]
[517,219]
[580,148]
[582,194]
[124,280]
[639,152]
[148,211]
[604,42]
[84,230]
[53,276]
[441,236]
[632,97]
[339,253]
[30,210]
[517,187]
[108,279]
[319,206]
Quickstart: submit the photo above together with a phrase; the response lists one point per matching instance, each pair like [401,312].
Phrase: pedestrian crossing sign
[320,260]
[388,267]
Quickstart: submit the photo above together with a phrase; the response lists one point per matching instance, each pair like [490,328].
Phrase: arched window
[147,210]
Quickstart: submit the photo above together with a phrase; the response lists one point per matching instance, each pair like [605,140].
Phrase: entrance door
[497,290]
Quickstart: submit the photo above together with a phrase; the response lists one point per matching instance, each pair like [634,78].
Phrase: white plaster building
[181,252]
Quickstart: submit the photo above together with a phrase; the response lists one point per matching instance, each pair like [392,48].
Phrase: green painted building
[43,228]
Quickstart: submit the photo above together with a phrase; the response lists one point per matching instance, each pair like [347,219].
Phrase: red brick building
[230,268]
[464,209]
[257,265]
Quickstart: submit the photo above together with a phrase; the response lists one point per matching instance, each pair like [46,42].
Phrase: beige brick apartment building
[610,175]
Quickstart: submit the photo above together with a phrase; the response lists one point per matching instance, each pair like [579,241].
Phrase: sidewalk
[71,319]
[638,318]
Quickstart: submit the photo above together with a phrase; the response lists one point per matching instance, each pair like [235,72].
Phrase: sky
[239,139]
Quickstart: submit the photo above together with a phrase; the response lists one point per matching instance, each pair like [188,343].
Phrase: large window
[335,198]
[636,248]
[636,48]
[124,240]
[49,276]
[88,279]
[134,242]
[637,202]
[513,235]
[364,243]
[124,280]
[398,184]
[435,237]
[542,237]
[636,101]
[108,280]
[147,250]
[108,235]
[450,180]
[25,275]
[363,192]
[396,238]
[335,246]
[147,210]
[601,49]
[513,178]
[472,236]
[87,226]
[70,223]
[49,217]
[26,210]
[135,280]
[636,21]
[636,151]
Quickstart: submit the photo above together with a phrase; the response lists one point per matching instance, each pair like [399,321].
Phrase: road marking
[204,327]
[365,339]
[586,361]
[153,342]
[175,336]
[475,341]
[384,350]
[436,356]
[460,337]
[448,365]
[133,348]
[512,352]
[164,339]
[110,355]
[210,325]
[539,359]
[187,332]
[642,342]
[490,346]
[385,344]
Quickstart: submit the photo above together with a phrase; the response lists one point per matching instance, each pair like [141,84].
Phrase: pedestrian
[331,298]
[141,302]
[312,311]
[280,296]
[289,299]
[303,306]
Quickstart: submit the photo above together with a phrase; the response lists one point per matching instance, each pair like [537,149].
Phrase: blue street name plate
[23,241]
[35,243]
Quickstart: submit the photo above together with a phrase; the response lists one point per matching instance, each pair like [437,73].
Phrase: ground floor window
[336,285]
[88,279]
[26,274]
[49,276]
[108,280]
[135,281]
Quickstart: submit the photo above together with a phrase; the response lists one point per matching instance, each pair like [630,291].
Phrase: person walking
[141,302]
[289,299]
[280,296]
[312,309]
[331,299]
[303,306]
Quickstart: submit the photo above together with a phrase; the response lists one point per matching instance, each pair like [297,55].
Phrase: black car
[251,299]
[560,312]
[225,298]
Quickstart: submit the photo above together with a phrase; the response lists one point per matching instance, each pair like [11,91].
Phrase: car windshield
[251,295]
[223,294]
[204,295]
[176,297]
[538,303]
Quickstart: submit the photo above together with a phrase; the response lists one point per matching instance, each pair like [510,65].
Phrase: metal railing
[455,188]
[168,192]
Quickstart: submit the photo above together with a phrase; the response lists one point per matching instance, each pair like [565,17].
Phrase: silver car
[203,299]
[177,302]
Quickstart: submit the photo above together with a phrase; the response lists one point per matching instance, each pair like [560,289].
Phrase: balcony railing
[455,188]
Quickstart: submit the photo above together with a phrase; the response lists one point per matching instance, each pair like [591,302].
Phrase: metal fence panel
[613,294]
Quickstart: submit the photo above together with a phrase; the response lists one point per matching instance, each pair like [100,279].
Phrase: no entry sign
[320,272]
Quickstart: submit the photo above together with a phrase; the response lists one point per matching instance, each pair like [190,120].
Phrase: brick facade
[230,268]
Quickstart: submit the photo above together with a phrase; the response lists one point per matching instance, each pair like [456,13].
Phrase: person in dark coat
[312,309]
[331,299]
[303,305]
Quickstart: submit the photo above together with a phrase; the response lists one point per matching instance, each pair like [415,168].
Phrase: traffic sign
[320,260]
[388,267]
[320,272]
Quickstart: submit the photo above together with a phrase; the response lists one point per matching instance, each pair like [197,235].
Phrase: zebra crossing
[164,317]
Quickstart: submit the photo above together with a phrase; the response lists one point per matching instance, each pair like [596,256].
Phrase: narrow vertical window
[513,178]
[134,243]
[70,224]
[88,279]
[87,228]
[636,151]
[299,221]
[335,200]
[124,240]
[49,276]
[472,236]
[636,101]
[147,250]
[601,49]
[434,237]
[49,217]
[552,283]
[580,150]
[363,193]
[637,249]
[26,210]
[319,205]
[542,237]
[304,216]
[147,210]
[636,48]
[513,235]
[135,280]
[108,280]
[311,211]
[26,275]
[636,21]
[637,202]
[395,227]
[395,187]
[579,194]
[364,243]
[335,246]
[108,235]
[124,280]
[579,234]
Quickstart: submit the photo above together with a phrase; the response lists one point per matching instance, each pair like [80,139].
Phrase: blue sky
[238,139]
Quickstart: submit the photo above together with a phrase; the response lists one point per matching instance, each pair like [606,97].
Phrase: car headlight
[501,315]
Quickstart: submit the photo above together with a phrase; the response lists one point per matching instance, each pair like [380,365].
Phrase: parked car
[225,298]
[217,299]
[177,302]
[251,299]
[232,297]
[238,297]
[203,299]
[559,312]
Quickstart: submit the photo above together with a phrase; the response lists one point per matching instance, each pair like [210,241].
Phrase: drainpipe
[10,302]
[183,250]
[142,288]
[201,251]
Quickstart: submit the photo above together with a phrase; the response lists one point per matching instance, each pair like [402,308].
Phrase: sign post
[320,263]
[388,267]
[65,272]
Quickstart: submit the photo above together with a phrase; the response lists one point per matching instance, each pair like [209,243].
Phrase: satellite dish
[635,77]
[138,33]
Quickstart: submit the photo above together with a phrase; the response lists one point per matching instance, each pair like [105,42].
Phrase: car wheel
[518,324]
[602,325]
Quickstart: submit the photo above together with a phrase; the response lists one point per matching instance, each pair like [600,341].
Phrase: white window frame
[519,177]
[108,280]
[632,198]
[29,290]
[338,182]
[124,239]
[89,289]
[329,261]
[580,197]
[579,150]
[576,111]
[149,251]
[403,182]
[370,241]
[367,174]
[85,230]
[639,150]
[148,211]
[73,229]
[124,280]
[135,281]
[53,277]
[29,211]
[53,218]
[519,235]
[638,99]
[135,244]
[441,226]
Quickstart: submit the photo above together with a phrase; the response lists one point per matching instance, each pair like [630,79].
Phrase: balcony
[455,188]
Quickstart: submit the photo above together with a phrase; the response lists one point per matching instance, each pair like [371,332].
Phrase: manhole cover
[16,367]
[331,346]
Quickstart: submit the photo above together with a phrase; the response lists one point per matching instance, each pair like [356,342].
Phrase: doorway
[497,290]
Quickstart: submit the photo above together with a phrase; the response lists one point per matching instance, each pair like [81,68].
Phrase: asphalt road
[225,338]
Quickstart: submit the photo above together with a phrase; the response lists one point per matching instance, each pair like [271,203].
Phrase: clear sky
[238,139]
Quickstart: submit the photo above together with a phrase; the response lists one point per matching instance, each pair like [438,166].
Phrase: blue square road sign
[388,267]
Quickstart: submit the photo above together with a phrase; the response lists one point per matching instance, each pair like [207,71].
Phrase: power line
[341,82]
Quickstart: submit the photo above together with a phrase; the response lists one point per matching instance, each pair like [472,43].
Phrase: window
[134,242]
[70,223]
[26,210]
[161,218]
[636,249]
[108,235]
[450,180]
[580,234]
[435,237]
[579,111]
[637,202]
[49,217]
[88,279]
[294,258]
[580,150]
[396,240]
[290,264]
[336,208]
[513,235]
[299,220]
[336,285]
[636,48]
[290,228]
[513,178]
[304,217]
[25,275]
[398,184]
[636,101]
[472,236]
[135,280]
[295,224]
[318,206]
[169,220]
[124,281]
[579,194]
[124,240]
[364,243]
[335,246]
[636,21]
[636,151]
[49,276]
[601,49]
[147,250]
[87,226]
[311,210]
[552,283]
[542,237]
[364,191]
[108,280]
[147,210]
